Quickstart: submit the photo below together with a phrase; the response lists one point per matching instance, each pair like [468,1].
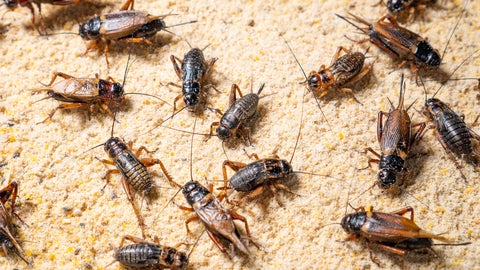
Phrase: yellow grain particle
[429,225]
[469,232]
[440,210]
[340,136]
[70,249]
[33,158]
[249,39]
[91,239]
[51,256]
[172,153]
[256,58]
[444,171]
[124,226]
[38,200]
[468,190]
[221,107]
[9,112]
[457,2]
[11,138]
[47,146]
[28,252]
[329,146]
[75,263]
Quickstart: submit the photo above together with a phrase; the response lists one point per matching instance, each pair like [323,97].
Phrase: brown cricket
[391,232]
[396,138]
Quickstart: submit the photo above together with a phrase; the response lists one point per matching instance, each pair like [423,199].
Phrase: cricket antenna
[191,149]
[96,146]
[455,70]
[346,204]
[189,45]
[148,95]
[424,88]
[208,45]
[452,244]
[195,244]
[175,25]
[409,194]
[64,33]
[186,131]
[354,25]
[348,191]
[102,144]
[126,69]
[329,224]
[306,79]
[183,23]
[294,56]
[401,98]
[317,174]
[163,121]
[113,124]
[363,192]
[455,28]
[224,151]
[191,166]
[300,128]
[169,201]
[47,97]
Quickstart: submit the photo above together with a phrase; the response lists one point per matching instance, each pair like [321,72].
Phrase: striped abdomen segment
[139,255]
[240,111]
[151,255]
[455,134]
[134,171]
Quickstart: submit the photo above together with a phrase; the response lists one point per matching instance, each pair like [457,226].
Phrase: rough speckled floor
[73,224]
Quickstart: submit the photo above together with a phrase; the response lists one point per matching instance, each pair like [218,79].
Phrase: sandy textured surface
[73,224]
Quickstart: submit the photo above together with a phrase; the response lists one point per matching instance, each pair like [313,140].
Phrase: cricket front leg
[177,69]
[212,127]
